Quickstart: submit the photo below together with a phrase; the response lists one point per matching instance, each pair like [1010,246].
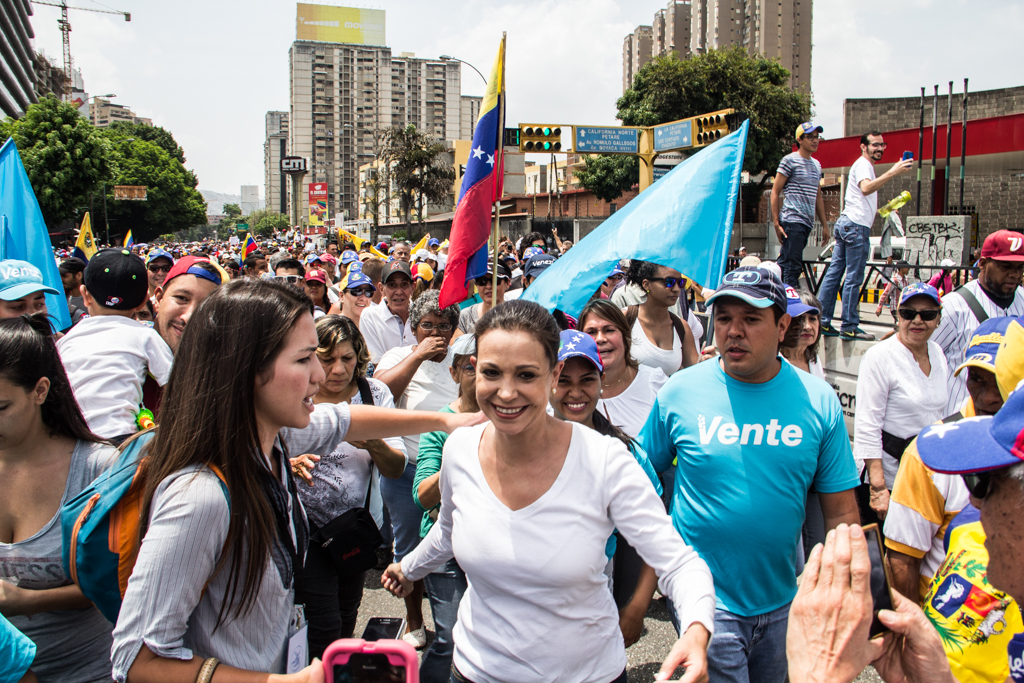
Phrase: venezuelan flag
[248,247]
[481,187]
[85,245]
[128,241]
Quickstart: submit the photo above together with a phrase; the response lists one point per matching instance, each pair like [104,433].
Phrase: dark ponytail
[27,354]
[603,426]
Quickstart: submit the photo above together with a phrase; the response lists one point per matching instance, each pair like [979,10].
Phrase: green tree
[155,134]
[263,222]
[667,89]
[65,157]
[421,170]
[172,201]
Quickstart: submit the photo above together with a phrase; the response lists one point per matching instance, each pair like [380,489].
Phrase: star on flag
[478,152]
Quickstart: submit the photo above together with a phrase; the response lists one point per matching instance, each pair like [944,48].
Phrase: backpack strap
[972,303]
[365,392]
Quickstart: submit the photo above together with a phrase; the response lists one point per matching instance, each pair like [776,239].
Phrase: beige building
[470,113]
[103,112]
[636,51]
[777,29]
[341,93]
[275,146]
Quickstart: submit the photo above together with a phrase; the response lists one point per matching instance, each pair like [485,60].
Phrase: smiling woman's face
[513,379]
[577,391]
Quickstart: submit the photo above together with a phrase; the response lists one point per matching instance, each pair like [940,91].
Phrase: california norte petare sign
[317,203]
[340,24]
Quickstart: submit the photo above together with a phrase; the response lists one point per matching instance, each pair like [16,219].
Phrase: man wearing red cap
[996,292]
[188,283]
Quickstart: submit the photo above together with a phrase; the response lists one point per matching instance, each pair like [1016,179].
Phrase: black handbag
[352,538]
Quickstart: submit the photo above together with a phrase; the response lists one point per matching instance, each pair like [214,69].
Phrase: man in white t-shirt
[852,234]
[387,326]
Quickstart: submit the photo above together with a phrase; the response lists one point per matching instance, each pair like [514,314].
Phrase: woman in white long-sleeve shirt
[901,389]
[528,502]
[213,582]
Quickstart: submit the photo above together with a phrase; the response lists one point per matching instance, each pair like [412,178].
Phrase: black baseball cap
[757,286]
[502,270]
[537,264]
[117,279]
[72,265]
[395,267]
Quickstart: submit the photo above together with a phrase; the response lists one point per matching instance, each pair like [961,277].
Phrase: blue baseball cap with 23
[756,286]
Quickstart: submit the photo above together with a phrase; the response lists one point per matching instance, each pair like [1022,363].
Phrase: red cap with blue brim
[795,305]
[976,444]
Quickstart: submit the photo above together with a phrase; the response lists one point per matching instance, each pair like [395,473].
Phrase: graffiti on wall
[933,238]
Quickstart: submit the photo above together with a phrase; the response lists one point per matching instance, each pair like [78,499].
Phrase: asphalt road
[645,656]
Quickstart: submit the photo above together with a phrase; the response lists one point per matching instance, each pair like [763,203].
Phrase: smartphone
[907,155]
[357,661]
[881,582]
[384,628]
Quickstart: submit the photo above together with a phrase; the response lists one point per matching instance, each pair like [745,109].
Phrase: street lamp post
[449,58]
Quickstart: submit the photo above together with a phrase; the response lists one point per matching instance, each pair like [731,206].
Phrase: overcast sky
[209,70]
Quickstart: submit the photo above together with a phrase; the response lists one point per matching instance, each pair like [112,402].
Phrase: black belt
[894,445]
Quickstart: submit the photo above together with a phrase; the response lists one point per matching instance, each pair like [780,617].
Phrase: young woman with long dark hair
[528,502]
[47,456]
[213,582]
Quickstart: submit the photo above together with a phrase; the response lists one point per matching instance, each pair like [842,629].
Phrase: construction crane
[65,29]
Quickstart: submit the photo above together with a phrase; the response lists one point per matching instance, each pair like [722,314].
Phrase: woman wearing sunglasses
[485,288]
[357,292]
[661,339]
[901,388]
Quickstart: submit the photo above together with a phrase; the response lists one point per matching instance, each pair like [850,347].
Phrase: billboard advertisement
[340,24]
[317,203]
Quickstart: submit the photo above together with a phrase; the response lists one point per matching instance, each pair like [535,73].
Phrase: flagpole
[498,169]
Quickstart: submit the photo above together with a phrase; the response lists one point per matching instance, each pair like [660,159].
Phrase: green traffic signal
[547,131]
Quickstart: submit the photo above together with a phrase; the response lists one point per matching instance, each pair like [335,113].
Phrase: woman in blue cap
[901,388]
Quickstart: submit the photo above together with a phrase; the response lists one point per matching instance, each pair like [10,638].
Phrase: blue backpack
[100,528]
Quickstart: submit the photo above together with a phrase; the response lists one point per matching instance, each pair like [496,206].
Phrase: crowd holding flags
[481,187]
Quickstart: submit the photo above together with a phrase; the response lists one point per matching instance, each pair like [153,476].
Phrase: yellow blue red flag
[248,247]
[481,187]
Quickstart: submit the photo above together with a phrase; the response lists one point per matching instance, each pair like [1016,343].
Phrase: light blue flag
[683,221]
[26,237]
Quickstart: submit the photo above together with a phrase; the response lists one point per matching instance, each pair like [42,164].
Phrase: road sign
[676,135]
[661,171]
[608,140]
[136,193]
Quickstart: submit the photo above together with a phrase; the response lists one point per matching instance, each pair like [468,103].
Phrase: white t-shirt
[107,359]
[341,479]
[538,606]
[383,331]
[431,388]
[858,208]
[894,395]
[645,351]
[629,410]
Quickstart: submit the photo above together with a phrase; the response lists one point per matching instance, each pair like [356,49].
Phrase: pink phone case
[399,653]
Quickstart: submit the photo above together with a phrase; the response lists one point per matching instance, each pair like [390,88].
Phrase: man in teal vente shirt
[752,434]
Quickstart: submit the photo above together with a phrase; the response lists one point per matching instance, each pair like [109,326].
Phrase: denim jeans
[445,589]
[405,514]
[849,257]
[746,649]
[791,256]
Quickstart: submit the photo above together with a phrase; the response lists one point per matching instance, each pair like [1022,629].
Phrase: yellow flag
[422,244]
[358,242]
[85,243]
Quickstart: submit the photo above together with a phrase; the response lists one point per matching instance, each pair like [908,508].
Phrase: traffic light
[540,138]
[710,127]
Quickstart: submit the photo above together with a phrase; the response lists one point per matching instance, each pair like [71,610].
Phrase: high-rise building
[250,199]
[777,29]
[470,114]
[637,49]
[342,93]
[275,147]
[17,79]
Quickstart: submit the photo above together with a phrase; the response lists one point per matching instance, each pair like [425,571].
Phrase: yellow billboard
[340,24]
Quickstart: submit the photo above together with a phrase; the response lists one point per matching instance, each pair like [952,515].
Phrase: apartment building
[17,80]
[470,112]
[636,51]
[275,147]
[103,112]
[341,93]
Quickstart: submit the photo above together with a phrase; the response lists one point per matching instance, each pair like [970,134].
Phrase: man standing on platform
[798,186]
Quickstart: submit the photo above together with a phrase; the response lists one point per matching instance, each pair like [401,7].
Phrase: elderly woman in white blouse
[901,388]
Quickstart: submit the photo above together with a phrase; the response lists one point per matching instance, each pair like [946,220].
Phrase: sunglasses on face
[361,291]
[927,316]
[483,280]
[157,268]
[979,484]
[430,327]
[670,282]
[290,279]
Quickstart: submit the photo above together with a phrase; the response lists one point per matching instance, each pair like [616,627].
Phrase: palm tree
[417,163]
